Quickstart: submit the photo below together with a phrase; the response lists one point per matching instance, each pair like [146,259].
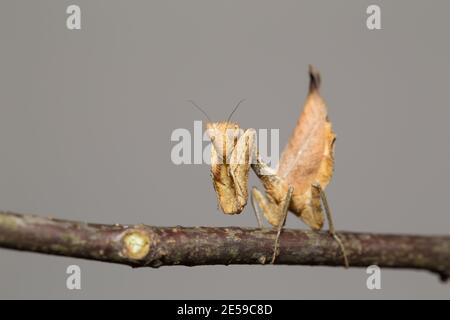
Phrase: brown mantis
[297,185]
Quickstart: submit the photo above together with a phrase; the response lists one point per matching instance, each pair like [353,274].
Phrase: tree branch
[142,245]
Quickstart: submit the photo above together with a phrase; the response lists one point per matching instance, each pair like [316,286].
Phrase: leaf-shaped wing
[308,157]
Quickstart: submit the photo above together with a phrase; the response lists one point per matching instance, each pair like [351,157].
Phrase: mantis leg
[256,208]
[274,213]
[285,210]
[241,157]
[270,209]
[331,230]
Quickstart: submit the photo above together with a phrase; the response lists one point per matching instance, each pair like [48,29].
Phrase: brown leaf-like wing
[308,156]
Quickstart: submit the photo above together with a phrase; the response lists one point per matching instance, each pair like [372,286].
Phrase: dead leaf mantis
[297,185]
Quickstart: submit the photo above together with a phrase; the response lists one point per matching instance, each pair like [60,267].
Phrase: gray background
[86,118]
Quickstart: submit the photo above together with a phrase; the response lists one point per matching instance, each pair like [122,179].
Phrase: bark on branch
[142,245]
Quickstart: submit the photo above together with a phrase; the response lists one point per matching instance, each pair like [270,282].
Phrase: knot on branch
[136,244]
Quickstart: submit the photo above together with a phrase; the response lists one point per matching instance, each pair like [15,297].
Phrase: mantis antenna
[234,110]
[200,109]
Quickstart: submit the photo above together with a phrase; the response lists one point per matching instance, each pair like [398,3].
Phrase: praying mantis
[297,185]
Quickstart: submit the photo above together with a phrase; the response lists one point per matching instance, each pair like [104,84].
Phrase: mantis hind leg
[331,230]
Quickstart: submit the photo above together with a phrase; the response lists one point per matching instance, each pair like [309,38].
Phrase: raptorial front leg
[331,228]
[240,161]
